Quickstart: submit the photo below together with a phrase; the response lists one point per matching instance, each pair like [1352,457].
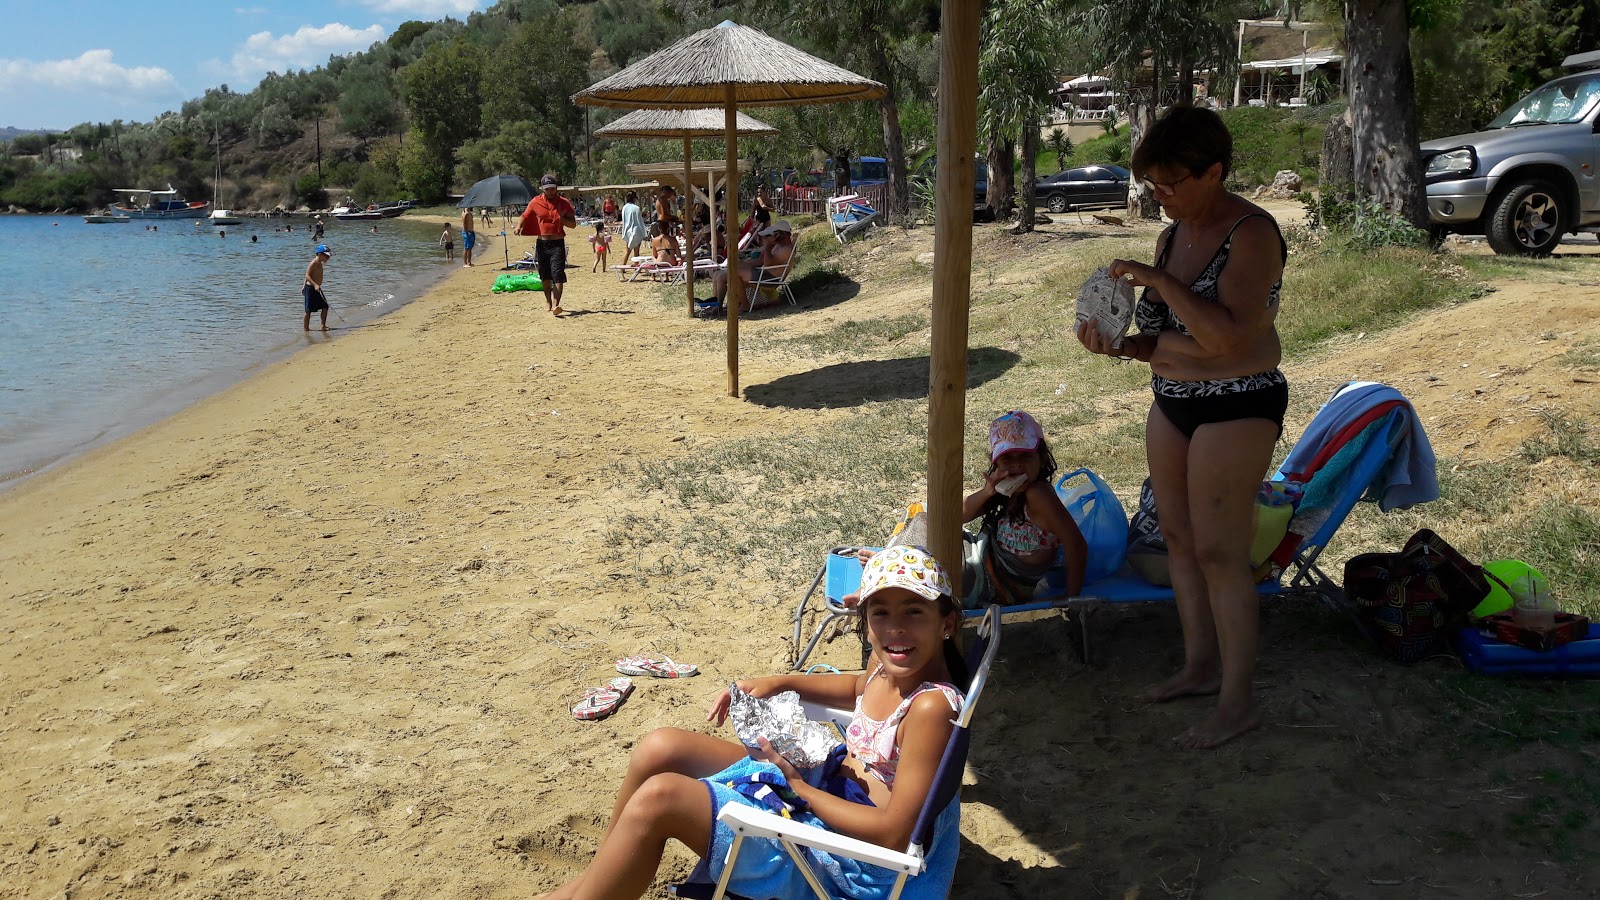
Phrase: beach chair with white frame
[748,822]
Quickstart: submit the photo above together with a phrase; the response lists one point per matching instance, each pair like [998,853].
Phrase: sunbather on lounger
[777,247]
[679,780]
[664,247]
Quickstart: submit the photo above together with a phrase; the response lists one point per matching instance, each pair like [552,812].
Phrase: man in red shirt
[547,218]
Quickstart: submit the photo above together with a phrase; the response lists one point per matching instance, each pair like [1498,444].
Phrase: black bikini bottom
[1187,414]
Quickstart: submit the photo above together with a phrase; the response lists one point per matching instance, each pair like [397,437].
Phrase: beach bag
[1098,512]
[1409,602]
[1147,549]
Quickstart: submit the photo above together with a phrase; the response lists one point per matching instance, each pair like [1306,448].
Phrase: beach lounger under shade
[1351,463]
[850,216]
[910,863]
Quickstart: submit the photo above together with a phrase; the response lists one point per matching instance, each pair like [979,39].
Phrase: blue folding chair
[748,822]
[840,573]
[1300,575]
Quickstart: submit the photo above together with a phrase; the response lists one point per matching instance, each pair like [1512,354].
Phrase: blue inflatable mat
[1487,656]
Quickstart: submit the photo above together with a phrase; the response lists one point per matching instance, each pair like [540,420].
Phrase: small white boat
[225,217]
[105,219]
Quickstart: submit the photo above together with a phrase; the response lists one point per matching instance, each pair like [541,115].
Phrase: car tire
[1529,219]
[1056,203]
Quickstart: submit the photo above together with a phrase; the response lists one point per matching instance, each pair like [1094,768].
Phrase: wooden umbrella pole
[711,199]
[952,276]
[735,293]
[688,237]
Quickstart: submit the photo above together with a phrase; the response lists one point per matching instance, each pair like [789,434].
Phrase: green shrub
[1361,224]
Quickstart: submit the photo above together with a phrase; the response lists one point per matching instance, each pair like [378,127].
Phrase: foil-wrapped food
[782,721]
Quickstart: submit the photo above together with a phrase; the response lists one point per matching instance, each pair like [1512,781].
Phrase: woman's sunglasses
[1167,188]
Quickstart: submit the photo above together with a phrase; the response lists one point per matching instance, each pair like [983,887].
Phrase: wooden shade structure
[687,124]
[726,67]
[952,275]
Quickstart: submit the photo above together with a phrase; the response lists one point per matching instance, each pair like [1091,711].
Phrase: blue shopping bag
[1099,514]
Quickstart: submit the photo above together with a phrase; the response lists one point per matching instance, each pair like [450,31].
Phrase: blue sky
[68,61]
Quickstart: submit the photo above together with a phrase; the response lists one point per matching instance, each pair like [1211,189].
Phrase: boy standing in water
[315,301]
[448,242]
[468,237]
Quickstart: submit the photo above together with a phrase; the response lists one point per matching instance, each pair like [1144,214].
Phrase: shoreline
[161,403]
[291,626]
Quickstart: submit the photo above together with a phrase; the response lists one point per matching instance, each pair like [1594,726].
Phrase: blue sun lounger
[1373,450]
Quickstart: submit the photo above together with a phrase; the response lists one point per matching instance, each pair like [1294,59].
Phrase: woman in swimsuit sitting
[1205,327]
[679,780]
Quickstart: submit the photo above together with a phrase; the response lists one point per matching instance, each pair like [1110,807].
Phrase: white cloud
[426,9]
[93,71]
[249,10]
[307,48]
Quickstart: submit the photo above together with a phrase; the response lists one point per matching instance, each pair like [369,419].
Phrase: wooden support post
[735,293]
[952,277]
[688,195]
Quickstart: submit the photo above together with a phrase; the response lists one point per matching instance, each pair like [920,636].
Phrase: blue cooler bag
[1100,517]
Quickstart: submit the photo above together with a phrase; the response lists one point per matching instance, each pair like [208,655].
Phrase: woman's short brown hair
[1186,137]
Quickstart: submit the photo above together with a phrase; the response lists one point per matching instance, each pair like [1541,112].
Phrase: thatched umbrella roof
[677,123]
[729,66]
[696,71]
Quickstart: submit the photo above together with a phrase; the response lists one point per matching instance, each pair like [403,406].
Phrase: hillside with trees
[438,105]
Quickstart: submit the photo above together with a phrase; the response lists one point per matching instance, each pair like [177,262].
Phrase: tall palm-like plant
[1017,56]
[1061,145]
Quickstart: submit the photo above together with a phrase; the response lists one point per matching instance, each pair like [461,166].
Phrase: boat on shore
[352,213]
[158,205]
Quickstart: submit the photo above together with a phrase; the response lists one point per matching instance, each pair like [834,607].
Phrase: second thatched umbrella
[687,124]
[729,66]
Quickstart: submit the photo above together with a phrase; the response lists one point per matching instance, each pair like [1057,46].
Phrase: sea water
[108,328]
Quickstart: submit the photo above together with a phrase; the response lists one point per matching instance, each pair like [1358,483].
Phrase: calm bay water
[110,327]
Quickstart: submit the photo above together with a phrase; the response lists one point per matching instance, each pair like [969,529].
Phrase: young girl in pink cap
[905,704]
[1023,518]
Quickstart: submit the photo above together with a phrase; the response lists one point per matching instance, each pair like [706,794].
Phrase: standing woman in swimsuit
[1205,327]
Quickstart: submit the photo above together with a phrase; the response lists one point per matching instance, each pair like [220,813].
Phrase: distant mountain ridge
[11,133]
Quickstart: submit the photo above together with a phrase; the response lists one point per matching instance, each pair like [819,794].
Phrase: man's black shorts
[314,299]
[552,258]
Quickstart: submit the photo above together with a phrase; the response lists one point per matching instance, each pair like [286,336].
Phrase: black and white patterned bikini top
[1153,318]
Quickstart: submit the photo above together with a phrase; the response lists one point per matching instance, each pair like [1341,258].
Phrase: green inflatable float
[528,281]
[1523,580]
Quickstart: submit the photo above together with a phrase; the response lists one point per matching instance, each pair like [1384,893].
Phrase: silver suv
[1530,177]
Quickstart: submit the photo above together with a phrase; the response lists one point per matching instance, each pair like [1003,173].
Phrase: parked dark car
[1083,187]
[980,177]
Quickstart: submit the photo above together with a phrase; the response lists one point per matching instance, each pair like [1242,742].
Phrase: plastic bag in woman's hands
[782,721]
[1108,302]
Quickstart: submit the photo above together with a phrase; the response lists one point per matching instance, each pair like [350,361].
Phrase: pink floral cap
[912,568]
[1016,430]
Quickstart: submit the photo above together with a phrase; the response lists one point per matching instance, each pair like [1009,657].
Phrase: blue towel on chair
[764,870]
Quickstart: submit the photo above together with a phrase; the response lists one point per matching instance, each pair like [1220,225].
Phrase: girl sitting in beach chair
[678,781]
[1024,529]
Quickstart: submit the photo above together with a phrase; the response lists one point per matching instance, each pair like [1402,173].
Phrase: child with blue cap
[312,290]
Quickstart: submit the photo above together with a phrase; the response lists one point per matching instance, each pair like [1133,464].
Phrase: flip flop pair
[597,703]
[656,668]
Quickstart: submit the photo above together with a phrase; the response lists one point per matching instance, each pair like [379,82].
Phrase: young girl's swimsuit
[1022,536]
[1190,404]
[874,742]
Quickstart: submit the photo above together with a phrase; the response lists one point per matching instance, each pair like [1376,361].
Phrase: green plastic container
[1522,578]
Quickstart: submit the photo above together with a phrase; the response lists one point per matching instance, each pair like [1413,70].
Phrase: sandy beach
[316,636]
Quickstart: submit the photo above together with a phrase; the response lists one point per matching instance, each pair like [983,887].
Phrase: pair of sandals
[598,703]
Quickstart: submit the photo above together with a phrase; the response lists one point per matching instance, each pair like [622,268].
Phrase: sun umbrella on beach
[498,192]
[722,68]
[687,124]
